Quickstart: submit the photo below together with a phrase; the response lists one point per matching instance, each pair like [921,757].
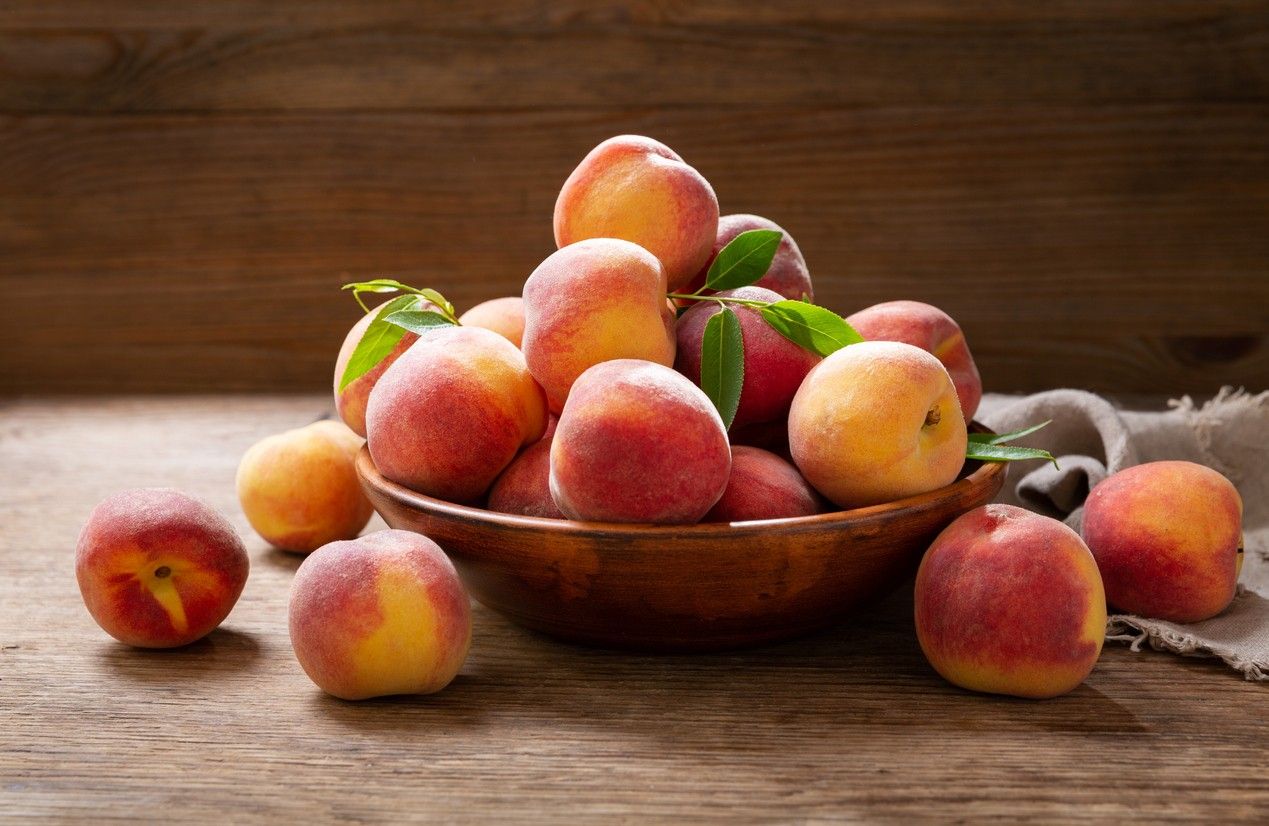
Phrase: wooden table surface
[849,724]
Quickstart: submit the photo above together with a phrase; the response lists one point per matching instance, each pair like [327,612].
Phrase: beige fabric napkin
[1092,438]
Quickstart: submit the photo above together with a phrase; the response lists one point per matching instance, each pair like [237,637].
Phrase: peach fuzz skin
[505,316]
[787,275]
[158,568]
[1010,602]
[763,486]
[594,301]
[875,422]
[451,413]
[524,488]
[638,442]
[774,366]
[931,329]
[1167,537]
[299,489]
[638,189]
[350,403]
[383,614]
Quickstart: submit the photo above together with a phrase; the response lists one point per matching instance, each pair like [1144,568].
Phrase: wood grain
[742,54]
[847,725]
[204,252]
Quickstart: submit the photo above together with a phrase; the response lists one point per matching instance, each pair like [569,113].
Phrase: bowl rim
[985,474]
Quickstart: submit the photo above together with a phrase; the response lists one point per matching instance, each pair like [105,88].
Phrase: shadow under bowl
[703,587]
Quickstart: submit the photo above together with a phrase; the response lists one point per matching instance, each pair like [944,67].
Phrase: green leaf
[723,363]
[1001,438]
[418,321]
[437,299]
[1006,453]
[744,260]
[815,328]
[379,339]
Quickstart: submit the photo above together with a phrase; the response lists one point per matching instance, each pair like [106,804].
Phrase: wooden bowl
[682,587]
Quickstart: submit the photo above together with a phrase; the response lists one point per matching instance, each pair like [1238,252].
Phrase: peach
[383,614]
[934,331]
[158,568]
[594,301]
[638,189]
[452,412]
[875,422]
[774,366]
[524,488]
[638,442]
[505,316]
[300,490]
[350,402]
[762,486]
[341,433]
[787,274]
[1167,537]
[1010,602]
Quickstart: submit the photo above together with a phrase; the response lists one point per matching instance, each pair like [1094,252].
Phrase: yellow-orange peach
[350,402]
[524,488]
[787,275]
[341,433]
[505,316]
[158,568]
[383,614]
[594,301]
[774,366]
[875,422]
[1167,537]
[762,486]
[1010,602]
[638,189]
[452,412]
[299,489]
[934,331]
[638,442]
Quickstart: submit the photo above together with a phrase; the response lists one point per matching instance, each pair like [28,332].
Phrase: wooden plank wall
[1084,185]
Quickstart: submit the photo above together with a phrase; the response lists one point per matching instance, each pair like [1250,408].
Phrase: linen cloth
[1092,438]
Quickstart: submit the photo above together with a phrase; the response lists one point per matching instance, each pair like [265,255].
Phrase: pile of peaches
[664,365]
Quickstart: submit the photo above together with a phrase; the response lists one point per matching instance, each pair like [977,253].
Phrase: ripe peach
[934,331]
[1167,537]
[299,489]
[525,486]
[787,274]
[638,189]
[594,301]
[383,614]
[158,568]
[638,442]
[774,366]
[350,403]
[875,422]
[1010,602]
[451,413]
[505,316]
[762,486]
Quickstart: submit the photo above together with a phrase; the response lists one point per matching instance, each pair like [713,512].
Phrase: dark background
[183,186]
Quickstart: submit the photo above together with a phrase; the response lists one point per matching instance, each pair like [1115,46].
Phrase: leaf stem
[721,299]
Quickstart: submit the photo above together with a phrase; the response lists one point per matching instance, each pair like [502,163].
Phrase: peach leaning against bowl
[380,615]
[1167,537]
[931,329]
[158,568]
[877,421]
[594,301]
[451,413]
[1010,602]
[638,442]
[299,489]
[640,190]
